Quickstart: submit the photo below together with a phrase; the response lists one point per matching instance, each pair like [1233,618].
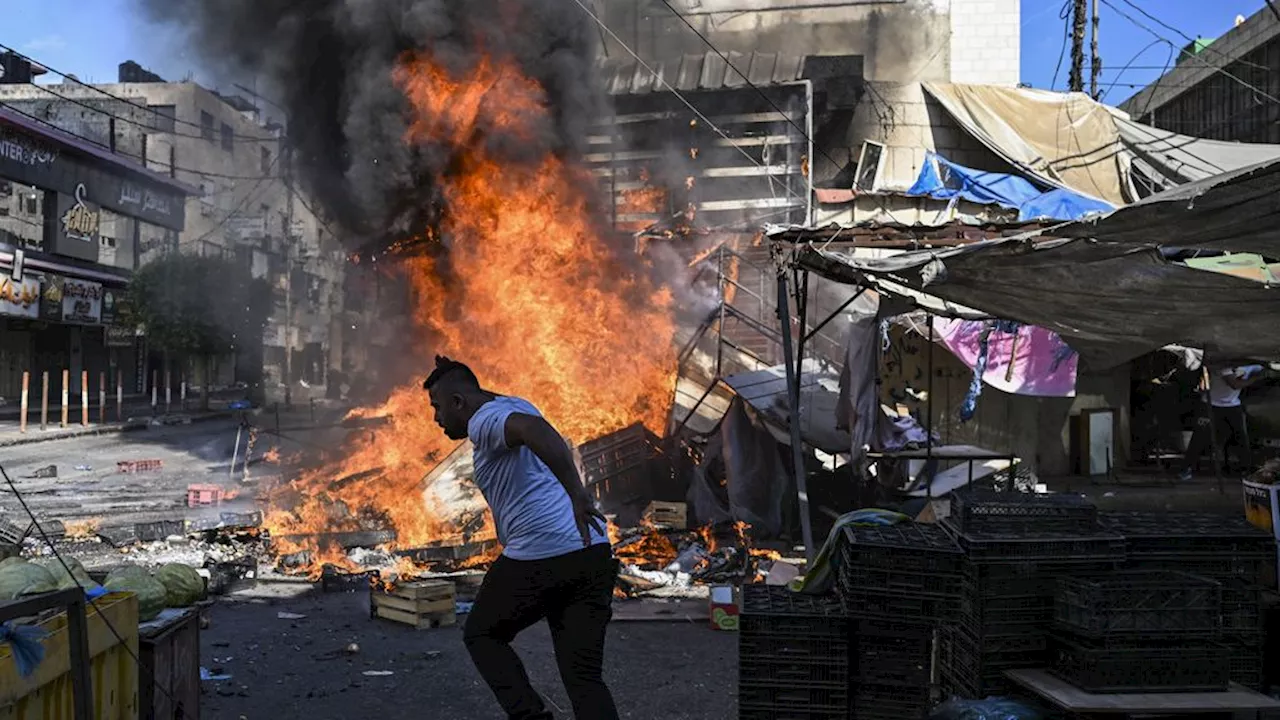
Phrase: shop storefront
[74,219]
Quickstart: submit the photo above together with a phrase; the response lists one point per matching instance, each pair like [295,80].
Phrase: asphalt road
[667,670]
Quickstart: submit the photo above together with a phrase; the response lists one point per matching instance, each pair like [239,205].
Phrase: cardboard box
[725,607]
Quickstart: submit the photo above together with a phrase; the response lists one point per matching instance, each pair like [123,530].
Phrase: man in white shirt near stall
[1227,416]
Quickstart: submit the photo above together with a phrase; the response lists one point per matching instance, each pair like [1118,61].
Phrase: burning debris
[664,562]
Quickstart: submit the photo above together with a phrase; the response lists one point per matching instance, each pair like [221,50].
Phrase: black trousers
[574,593]
[1229,426]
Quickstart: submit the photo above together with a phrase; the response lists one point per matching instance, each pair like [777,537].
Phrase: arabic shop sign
[144,201]
[70,300]
[25,150]
[80,222]
[28,158]
[20,298]
[78,225]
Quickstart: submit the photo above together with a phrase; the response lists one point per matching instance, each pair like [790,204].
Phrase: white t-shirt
[1223,395]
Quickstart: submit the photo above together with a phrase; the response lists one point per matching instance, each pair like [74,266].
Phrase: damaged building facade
[246,209]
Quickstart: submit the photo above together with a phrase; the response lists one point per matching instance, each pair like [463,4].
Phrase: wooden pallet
[668,514]
[422,604]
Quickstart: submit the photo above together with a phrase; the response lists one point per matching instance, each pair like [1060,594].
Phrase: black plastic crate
[863,604]
[889,702]
[1242,610]
[1189,534]
[965,670]
[900,582]
[754,693]
[1245,663]
[769,644]
[1062,549]
[906,546]
[776,601]
[1139,603]
[892,654]
[981,510]
[766,712]
[806,670]
[1139,669]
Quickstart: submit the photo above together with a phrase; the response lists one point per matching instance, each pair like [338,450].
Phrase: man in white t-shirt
[1228,418]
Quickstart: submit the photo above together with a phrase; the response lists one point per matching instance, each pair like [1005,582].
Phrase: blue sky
[90,37]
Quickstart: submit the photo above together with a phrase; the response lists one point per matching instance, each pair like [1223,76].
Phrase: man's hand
[588,518]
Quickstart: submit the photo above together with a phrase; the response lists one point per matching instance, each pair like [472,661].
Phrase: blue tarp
[945,180]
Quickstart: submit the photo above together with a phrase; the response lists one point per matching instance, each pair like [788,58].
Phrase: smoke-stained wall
[899,41]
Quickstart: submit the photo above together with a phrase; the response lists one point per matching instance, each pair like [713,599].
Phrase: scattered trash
[206,674]
[84,468]
[289,616]
[431,654]
[378,673]
[239,405]
[351,649]
[992,708]
[463,607]
[44,473]
[1108,494]
[781,573]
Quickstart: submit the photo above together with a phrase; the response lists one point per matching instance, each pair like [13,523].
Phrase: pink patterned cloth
[1043,365]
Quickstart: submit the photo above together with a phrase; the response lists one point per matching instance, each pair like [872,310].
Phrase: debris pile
[658,561]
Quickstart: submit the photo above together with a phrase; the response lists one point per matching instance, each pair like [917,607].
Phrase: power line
[235,210]
[100,91]
[750,84]
[13,488]
[682,98]
[1128,66]
[1212,67]
[42,121]
[1190,39]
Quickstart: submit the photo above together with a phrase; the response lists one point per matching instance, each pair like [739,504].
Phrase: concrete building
[245,209]
[1222,89]
[73,217]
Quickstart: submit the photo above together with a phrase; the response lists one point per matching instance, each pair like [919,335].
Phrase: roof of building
[709,71]
[78,145]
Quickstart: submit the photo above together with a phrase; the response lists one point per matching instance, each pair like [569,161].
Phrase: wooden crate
[422,604]
[669,514]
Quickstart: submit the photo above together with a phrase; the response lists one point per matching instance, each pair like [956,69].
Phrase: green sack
[23,579]
[150,592]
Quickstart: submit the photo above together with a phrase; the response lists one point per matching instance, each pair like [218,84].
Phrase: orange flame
[532,297]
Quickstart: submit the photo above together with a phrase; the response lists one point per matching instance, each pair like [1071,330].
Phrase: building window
[228,138]
[206,126]
[164,118]
[266,161]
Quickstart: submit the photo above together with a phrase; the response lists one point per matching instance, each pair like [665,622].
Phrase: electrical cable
[1103,90]
[604,26]
[90,601]
[1065,16]
[1189,39]
[1206,63]
[750,84]
[13,108]
[233,211]
[100,91]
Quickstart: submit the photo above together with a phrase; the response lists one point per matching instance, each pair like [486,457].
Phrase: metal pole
[102,397]
[119,395]
[797,452]
[84,398]
[26,382]
[928,422]
[1213,430]
[235,453]
[81,662]
[66,388]
[44,400]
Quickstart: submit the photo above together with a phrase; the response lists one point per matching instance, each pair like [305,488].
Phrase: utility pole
[1095,61]
[288,275]
[1079,21]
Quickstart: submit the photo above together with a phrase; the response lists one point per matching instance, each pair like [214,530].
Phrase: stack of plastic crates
[1222,548]
[793,656]
[898,583]
[1138,632]
[1015,545]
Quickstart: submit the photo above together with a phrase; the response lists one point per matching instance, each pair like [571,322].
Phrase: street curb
[111,429]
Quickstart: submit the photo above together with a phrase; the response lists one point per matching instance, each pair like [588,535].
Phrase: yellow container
[46,693]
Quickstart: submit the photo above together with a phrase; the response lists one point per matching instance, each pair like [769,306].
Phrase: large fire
[531,295]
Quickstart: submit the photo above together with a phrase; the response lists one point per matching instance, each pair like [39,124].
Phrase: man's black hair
[445,367]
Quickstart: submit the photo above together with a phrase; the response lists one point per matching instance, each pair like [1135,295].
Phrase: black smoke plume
[329,63]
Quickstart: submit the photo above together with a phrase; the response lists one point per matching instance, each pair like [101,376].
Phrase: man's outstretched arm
[535,433]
